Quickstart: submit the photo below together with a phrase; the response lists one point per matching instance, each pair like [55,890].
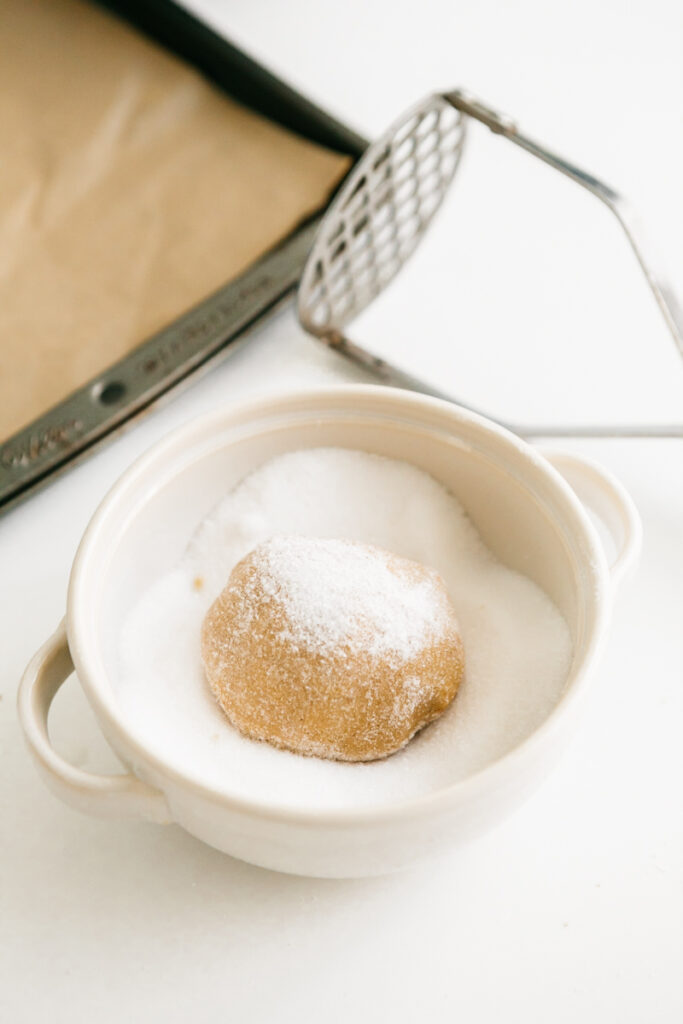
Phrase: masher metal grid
[379,216]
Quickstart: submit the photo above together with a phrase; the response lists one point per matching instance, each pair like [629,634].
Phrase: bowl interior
[522,512]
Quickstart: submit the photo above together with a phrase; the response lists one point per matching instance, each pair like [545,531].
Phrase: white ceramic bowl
[525,512]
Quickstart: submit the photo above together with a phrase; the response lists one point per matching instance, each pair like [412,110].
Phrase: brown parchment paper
[130,189]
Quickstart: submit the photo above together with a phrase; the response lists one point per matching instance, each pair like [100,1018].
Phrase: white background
[532,304]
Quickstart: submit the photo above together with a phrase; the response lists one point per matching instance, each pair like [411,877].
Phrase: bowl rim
[470,788]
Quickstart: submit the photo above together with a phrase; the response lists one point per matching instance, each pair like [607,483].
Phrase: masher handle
[501,124]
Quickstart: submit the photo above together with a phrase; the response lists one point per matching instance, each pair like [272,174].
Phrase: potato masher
[380,214]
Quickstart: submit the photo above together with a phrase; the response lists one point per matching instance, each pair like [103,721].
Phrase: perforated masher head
[378,218]
[380,214]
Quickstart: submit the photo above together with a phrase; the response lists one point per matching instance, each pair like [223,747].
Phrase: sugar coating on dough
[331,648]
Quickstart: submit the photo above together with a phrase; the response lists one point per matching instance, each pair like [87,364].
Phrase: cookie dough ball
[332,649]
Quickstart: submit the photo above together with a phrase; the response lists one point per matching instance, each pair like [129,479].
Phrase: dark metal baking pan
[70,430]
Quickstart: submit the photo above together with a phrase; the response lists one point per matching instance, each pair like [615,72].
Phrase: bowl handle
[103,795]
[606,497]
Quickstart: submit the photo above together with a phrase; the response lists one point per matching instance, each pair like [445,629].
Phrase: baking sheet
[132,189]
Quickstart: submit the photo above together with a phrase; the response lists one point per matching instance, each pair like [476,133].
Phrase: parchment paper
[130,189]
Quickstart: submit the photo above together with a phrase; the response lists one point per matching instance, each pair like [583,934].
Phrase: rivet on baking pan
[109,394]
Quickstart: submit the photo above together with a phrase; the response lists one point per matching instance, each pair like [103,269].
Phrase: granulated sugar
[340,594]
[517,645]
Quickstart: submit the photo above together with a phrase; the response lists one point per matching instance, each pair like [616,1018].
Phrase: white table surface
[571,910]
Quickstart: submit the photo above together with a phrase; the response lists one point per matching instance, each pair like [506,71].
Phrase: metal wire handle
[385,206]
[622,210]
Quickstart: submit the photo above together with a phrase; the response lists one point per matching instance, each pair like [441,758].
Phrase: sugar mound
[517,645]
